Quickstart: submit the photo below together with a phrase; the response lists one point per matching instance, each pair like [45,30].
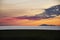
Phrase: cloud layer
[49,13]
[51,16]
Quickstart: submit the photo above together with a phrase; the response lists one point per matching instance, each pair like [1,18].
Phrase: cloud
[53,10]
[49,13]
[28,22]
[36,20]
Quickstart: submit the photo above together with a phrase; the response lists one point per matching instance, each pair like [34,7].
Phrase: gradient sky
[28,3]
[14,8]
[26,22]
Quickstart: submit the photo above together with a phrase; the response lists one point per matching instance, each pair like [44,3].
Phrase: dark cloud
[49,13]
[55,10]
[29,17]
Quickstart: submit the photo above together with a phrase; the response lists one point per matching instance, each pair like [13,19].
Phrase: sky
[15,8]
[25,22]
[28,3]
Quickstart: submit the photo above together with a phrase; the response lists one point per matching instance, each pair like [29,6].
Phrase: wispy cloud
[26,22]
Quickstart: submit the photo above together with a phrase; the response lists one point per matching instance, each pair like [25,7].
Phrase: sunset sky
[16,8]
[24,7]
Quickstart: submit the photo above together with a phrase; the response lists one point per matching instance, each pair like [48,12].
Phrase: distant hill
[47,25]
